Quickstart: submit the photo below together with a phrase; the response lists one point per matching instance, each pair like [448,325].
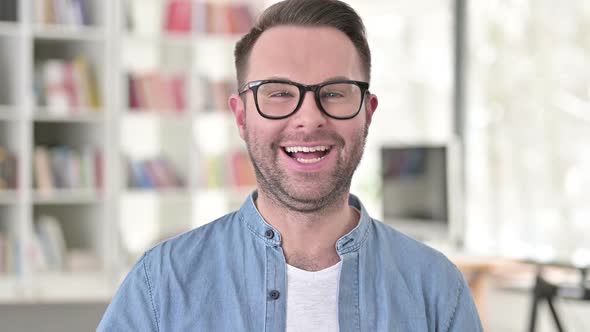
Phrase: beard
[312,192]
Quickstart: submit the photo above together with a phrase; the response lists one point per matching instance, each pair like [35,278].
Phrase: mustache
[306,138]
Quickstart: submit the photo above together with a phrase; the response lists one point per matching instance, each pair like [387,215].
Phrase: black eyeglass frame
[303,88]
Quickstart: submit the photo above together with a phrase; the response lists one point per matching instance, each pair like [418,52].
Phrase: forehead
[304,54]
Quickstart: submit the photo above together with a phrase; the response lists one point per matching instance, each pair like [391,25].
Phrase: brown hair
[314,13]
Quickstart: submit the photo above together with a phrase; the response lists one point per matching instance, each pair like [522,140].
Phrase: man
[301,254]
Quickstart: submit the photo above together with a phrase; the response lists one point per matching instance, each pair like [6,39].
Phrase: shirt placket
[276,289]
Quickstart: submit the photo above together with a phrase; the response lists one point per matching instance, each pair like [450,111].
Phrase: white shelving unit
[84,214]
[190,137]
[108,225]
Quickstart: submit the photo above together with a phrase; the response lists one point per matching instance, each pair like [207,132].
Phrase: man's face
[303,181]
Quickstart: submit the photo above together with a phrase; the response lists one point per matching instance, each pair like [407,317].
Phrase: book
[214,174]
[81,14]
[178,16]
[88,177]
[178,90]
[8,170]
[67,86]
[63,12]
[158,92]
[138,176]
[173,176]
[88,83]
[132,93]
[43,177]
[55,91]
[154,173]
[11,255]
[242,170]
[52,241]
[222,18]
[44,12]
[63,167]
[3,243]
[98,170]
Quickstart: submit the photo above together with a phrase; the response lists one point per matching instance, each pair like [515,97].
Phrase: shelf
[58,288]
[180,39]
[217,37]
[8,197]
[183,192]
[183,115]
[76,287]
[9,29]
[9,290]
[167,193]
[68,32]
[183,39]
[228,191]
[67,197]
[83,116]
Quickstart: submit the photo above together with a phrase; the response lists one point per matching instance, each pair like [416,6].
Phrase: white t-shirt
[312,299]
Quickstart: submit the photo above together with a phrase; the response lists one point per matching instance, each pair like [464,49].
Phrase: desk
[477,271]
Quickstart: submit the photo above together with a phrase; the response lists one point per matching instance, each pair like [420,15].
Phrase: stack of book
[49,251]
[63,167]
[188,17]
[233,170]
[65,12]
[157,92]
[8,170]
[222,18]
[178,16]
[67,87]
[216,93]
[49,243]
[156,173]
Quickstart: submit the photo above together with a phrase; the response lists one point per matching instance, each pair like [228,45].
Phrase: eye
[280,94]
[332,94]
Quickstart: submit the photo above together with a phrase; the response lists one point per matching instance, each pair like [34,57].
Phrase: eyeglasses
[279,99]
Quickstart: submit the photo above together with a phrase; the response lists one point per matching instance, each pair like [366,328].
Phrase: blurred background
[115,134]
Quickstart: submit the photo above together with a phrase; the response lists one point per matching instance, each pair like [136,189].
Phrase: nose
[309,115]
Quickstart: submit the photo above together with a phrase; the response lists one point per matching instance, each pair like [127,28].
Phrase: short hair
[311,13]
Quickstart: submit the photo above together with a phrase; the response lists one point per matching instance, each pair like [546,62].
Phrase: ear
[371,103]
[236,104]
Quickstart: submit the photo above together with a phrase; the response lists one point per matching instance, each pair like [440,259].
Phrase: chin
[305,200]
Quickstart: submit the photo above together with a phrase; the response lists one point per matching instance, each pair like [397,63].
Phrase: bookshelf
[175,73]
[56,70]
[99,90]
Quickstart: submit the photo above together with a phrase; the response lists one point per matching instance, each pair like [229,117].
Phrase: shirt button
[274,294]
[269,234]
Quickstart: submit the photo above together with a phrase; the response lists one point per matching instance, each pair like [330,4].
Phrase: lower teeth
[309,161]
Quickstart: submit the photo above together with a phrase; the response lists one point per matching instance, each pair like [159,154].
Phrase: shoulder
[194,244]
[412,257]
[425,274]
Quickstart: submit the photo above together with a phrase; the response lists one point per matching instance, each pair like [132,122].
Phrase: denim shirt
[230,275]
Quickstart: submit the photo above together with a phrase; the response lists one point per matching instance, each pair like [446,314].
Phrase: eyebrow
[333,78]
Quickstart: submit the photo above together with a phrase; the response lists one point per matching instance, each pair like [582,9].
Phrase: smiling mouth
[308,154]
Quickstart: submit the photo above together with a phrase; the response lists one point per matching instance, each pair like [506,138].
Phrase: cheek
[352,131]
[259,132]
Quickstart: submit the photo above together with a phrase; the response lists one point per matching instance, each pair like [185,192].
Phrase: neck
[309,239]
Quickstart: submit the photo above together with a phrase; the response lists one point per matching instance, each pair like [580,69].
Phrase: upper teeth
[293,149]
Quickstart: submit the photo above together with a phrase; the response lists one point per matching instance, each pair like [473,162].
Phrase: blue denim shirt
[230,275]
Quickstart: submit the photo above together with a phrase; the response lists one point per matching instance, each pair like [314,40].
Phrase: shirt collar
[256,224]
